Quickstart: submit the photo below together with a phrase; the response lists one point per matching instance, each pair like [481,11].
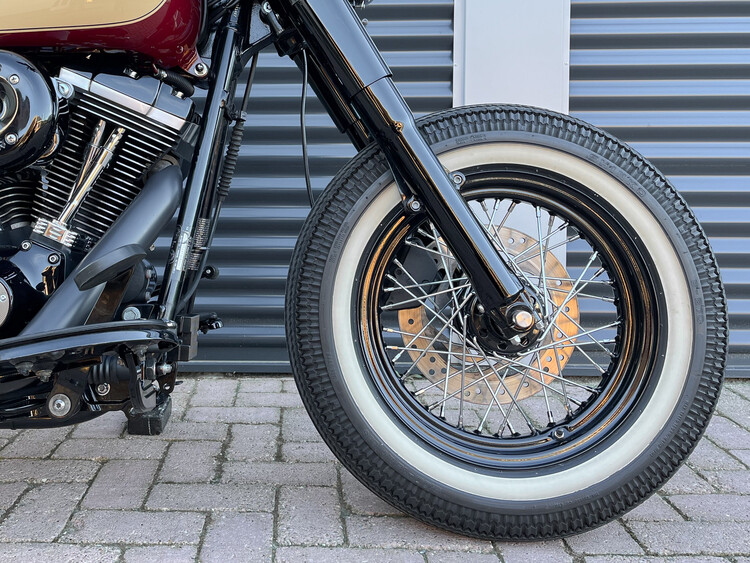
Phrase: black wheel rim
[423,381]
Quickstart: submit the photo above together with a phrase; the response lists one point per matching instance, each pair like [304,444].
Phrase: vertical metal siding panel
[672,78]
[264,212]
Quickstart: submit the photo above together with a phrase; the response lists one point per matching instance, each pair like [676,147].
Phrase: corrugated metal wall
[672,78]
[268,203]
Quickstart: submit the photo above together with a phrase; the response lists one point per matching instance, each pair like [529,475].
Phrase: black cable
[303,126]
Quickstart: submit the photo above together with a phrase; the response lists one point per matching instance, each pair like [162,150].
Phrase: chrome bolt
[131,314]
[64,89]
[11,138]
[523,320]
[3,298]
[559,434]
[414,205]
[201,69]
[14,79]
[25,245]
[53,258]
[102,389]
[458,178]
[480,309]
[164,369]
[59,405]
[267,7]
[516,340]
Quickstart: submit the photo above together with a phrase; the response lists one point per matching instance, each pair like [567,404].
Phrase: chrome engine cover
[28,114]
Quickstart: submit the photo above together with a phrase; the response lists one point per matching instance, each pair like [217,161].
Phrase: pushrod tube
[201,204]
[337,39]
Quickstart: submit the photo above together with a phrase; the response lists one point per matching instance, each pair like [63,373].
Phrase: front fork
[340,46]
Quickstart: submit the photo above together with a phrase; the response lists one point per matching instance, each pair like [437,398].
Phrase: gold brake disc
[521,377]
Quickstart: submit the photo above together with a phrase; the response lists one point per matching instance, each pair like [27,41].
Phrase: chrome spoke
[542,262]
[391,306]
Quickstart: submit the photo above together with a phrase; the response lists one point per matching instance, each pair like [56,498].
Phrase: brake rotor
[479,380]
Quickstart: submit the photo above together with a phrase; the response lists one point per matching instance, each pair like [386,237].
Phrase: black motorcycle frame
[356,87]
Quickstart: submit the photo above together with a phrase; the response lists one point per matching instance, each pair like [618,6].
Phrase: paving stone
[739,386]
[743,455]
[214,393]
[103,448]
[7,433]
[649,559]
[238,537]
[185,386]
[725,508]
[121,483]
[735,407]
[708,538]
[253,442]
[295,474]
[47,470]
[109,425]
[730,481]
[180,404]
[211,496]
[460,557]
[388,531]
[261,385]
[9,494]
[127,527]
[654,509]
[58,552]
[35,443]
[178,430]
[190,462]
[42,513]
[353,555]
[309,516]
[539,552]
[289,385]
[236,415]
[306,452]
[3,443]
[707,456]
[162,554]
[686,481]
[269,400]
[728,435]
[360,500]
[297,427]
[611,538]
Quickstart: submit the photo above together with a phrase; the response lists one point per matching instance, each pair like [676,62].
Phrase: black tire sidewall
[623,489]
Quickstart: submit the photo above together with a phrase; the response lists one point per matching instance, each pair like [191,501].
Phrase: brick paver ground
[241,475]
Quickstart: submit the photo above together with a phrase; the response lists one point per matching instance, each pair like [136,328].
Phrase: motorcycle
[502,320]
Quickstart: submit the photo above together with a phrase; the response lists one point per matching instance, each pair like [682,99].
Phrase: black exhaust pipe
[120,247]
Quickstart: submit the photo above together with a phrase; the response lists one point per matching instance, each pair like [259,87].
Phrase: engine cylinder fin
[145,141]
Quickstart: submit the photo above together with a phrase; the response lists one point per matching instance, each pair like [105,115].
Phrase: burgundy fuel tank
[165,30]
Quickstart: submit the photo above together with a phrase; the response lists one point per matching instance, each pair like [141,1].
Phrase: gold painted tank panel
[40,15]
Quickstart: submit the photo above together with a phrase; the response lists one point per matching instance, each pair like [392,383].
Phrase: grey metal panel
[672,78]
[268,202]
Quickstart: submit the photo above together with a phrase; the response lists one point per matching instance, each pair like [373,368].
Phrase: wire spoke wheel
[472,399]
[416,391]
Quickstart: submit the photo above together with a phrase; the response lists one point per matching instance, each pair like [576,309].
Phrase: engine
[75,150]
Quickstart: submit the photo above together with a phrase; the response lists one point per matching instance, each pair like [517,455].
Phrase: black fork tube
[340,43]
[201,202]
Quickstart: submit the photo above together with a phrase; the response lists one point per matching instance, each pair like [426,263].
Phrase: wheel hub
[523,374]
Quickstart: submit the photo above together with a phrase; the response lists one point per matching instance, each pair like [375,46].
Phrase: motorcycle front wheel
[401,374]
